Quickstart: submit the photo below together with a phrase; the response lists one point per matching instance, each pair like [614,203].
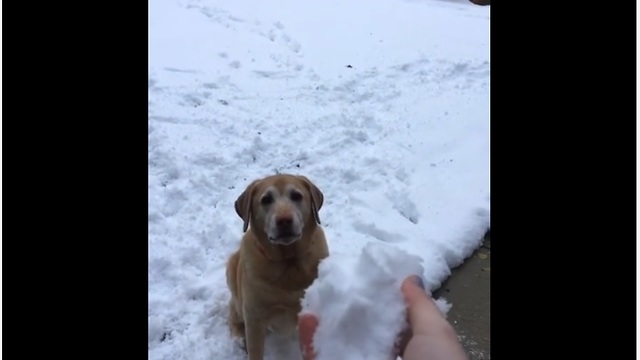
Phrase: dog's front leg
[255,333]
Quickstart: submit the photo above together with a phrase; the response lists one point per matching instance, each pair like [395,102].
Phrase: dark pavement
[467,289]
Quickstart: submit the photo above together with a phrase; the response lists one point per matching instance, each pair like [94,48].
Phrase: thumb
[307,324]
[422,310]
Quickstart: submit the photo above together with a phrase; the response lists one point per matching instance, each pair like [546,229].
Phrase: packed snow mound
[358,302]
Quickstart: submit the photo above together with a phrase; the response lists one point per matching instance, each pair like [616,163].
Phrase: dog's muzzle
[286,233]
[285,238]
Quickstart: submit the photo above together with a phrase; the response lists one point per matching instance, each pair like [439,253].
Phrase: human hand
[430,336]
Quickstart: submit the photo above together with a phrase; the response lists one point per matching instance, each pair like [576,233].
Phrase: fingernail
[418,280]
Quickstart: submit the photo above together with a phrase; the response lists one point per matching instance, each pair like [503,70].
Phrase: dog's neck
[278,253]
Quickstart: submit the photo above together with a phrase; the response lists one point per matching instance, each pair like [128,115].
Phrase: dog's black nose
[284,221]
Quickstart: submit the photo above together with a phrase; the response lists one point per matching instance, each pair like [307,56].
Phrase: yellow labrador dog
[277,260]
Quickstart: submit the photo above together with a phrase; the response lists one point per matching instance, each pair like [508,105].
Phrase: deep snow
[345,305]
[384,104]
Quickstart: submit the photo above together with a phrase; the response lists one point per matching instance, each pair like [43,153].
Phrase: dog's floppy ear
[243,204]
[317,199]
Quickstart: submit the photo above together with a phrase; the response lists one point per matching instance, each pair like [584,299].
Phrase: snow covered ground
[383,104]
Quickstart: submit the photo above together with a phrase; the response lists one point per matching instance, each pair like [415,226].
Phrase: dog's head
[281,206]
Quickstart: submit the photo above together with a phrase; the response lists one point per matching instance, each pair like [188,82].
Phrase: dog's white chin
[284,240]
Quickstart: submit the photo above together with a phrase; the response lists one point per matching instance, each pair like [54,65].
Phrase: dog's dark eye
[295,196]
[267,199]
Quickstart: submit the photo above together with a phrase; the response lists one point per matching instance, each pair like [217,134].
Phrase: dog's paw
[242,344]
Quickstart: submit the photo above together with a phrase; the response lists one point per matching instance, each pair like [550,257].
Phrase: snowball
[358,302]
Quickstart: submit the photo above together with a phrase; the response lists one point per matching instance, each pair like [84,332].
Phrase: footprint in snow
[405,206]
[382,235]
